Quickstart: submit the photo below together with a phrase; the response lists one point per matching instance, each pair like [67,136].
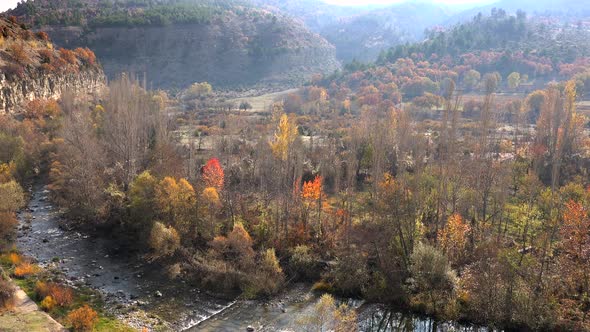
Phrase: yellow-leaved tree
[284,137]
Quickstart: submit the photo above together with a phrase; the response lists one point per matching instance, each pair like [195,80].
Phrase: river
[131,285]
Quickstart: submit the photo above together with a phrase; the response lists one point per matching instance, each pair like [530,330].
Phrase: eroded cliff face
[15,93]
[231,52]
[32,67]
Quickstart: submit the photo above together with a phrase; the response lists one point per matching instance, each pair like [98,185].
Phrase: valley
[261,165]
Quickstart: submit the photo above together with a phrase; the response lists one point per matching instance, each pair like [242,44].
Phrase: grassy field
[263,102]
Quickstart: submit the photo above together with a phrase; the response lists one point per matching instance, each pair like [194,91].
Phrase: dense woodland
[433,181]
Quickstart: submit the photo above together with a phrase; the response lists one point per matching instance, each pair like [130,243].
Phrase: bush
[269,276]
[83,318]
[25,269]
[164,240]
[19,53]
[14,71]
[322,287]
[304,263]
[48,303]
[14,258]
[61,295]
[6,294]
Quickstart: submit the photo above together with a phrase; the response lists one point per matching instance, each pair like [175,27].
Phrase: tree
[142,200]
[471,79]
[176,202]
[322,318]
[514,80]
[453,237]
[284,137]
[213,175]
[13,197]
[244,106]
[433,276]
[198,90]
[269,275]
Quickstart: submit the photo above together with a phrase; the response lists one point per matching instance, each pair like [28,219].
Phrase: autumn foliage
[25,269]
[60,295]
[213,175]
[453,237]
[83,318]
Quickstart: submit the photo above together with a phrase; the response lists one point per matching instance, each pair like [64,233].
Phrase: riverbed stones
[158,294]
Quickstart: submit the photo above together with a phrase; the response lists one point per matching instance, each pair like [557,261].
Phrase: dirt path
[26,316]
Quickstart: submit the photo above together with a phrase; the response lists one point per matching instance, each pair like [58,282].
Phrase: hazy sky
[7,4]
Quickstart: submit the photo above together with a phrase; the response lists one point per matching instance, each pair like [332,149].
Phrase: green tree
[514,80]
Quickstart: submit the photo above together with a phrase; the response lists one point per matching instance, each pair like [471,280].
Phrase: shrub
[83,318]
[322,287]
[6,294]
[61,295]
[19,53]
[14,258]
[304,263]
[43,35]
[164,240]
[269,276]
[48,303]
[14,71]
[8,224]
[86,55]
[25,269]
[68,56]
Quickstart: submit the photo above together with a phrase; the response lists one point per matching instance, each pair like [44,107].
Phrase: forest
[449,178]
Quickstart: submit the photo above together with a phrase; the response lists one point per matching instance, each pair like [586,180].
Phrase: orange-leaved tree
[213,175]
[453,237]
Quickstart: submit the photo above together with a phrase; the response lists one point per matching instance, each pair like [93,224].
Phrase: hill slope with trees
[175,43]
[31,67]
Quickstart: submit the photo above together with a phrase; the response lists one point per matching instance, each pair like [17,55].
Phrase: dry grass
[15,259]
[25,269]
[61,295]
[6,294]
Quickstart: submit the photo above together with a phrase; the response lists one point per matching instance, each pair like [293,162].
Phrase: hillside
[518,54]
[502,32]
[30,67]
[362,32]
[176,43]
[363,36]
[564,10]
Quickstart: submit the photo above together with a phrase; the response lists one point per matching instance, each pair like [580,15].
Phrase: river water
[127,282]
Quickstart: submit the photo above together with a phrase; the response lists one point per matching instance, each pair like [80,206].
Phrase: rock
[45,240]
[250,329]
[116,277]
[158,294]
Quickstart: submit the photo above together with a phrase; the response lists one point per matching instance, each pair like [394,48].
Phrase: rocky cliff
[30,68]
[225,44]
[38,85]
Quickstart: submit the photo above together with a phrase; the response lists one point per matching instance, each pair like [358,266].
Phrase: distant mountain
[362,32]
[364,36]
[230,44]
[504,32]
[565,10]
